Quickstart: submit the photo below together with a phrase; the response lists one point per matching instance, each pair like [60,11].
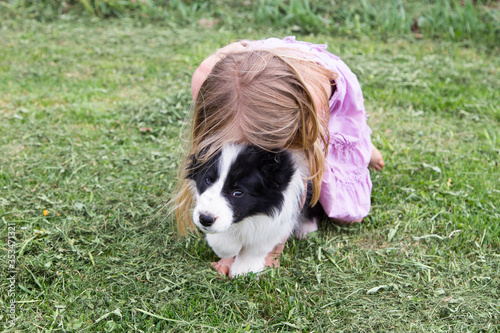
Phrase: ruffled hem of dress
[351,198]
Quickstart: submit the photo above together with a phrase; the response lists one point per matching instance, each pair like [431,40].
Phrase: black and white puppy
[249,200]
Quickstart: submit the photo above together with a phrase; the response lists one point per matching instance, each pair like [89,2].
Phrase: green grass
[472,22]
[91,114]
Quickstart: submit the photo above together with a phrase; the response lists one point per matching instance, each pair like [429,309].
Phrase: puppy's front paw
[242,267]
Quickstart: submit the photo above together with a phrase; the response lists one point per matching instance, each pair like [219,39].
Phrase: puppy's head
[236,183]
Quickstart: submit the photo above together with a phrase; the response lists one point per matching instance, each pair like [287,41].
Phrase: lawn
[92,119]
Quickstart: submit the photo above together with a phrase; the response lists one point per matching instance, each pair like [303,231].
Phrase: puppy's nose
[207,220]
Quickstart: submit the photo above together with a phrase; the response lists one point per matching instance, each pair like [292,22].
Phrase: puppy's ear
[277,168]
[199,163]
[192,167]
[195,163]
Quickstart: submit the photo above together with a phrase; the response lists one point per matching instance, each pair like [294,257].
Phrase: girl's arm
[201,73]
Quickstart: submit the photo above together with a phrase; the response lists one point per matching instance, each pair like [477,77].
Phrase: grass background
[91,116]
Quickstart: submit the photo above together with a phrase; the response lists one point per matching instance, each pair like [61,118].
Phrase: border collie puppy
[249,200]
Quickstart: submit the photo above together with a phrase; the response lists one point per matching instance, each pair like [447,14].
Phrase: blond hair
[259,97]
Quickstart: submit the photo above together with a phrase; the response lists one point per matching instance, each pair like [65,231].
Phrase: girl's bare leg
[376,160]
[272,259]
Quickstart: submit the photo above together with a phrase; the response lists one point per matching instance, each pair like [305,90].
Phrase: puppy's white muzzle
[212,213]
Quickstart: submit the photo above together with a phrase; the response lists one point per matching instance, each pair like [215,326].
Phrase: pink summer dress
[346,187]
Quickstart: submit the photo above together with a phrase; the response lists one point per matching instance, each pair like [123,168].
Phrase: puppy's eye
[237,194]
[208,181]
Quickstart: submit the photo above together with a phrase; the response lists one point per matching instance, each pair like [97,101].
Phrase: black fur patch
[309,211]
[204,173]
[255,183]
[262,177]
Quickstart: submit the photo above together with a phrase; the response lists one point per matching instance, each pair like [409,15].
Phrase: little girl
[283,93]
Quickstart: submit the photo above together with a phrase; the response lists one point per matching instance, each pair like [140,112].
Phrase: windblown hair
[258,97]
